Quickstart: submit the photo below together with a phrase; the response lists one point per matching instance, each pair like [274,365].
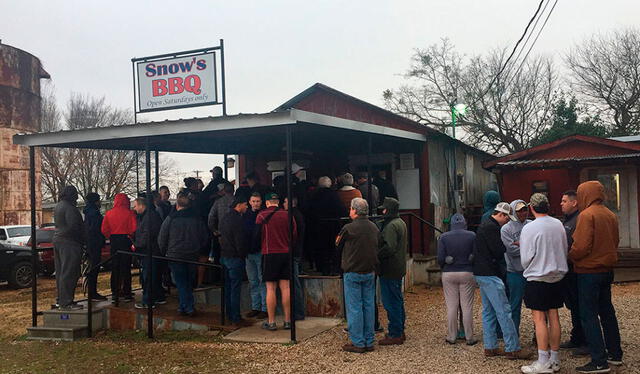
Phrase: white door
[621,188]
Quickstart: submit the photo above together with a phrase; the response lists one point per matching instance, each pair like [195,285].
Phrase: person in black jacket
[487,257]
[182,236]
[323,211]
[95,242]
[578,341]
[253,261]
[145,241]
[68,242]
[234,248]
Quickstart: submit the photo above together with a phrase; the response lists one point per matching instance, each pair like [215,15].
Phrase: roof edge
[543,147]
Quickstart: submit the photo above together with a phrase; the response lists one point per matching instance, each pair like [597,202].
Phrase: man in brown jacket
[594,253]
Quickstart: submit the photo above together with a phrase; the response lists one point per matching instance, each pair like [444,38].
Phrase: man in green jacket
[393,266]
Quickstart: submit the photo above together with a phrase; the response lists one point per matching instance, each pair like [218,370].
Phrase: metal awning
[568,161]
[236,134]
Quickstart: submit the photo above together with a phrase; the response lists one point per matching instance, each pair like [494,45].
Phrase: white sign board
[407,184]
[178,82]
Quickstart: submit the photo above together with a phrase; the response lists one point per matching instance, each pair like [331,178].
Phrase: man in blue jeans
[487,256]
[182,236]
[510,234]
[594,253]
[254,259]
[234,248]
[358,241]
[393,266]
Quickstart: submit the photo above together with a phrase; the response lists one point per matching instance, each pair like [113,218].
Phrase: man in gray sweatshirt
[510,235]
[543,253]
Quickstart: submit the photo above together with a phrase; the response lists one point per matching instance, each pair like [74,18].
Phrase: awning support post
[149,209]
[372,207]
[157,154]
[34,244]
[292,283]
[226,167]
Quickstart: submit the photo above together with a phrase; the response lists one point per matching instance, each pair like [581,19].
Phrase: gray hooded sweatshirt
[510,233]
[456,246]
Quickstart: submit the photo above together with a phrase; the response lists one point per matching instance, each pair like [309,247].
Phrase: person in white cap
[487,256]
[299,184]
[510,234]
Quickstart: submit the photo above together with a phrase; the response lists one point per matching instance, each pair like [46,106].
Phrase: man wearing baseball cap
[516,282]
[543,253]
[487,257]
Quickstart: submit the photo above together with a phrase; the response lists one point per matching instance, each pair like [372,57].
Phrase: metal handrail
[173,259]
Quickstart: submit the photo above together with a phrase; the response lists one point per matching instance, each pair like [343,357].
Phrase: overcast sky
[275,49]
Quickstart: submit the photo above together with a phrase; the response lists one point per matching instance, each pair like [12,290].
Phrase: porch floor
[308,328]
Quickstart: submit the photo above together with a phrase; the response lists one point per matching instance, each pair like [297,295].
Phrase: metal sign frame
[221,99]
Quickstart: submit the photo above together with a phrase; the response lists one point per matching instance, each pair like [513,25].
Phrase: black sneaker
[614,361]
[287,326]
[252,313]
[269,326]
[593,368]
[580,352]
[569,345]
[98,297]
[72,306]
[161,302]
[128,299]
[142,306]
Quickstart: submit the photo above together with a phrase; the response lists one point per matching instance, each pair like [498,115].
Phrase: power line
[536,39]
[514,49]
[524,45]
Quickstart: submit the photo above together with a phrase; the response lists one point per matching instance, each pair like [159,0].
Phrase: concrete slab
[306,329]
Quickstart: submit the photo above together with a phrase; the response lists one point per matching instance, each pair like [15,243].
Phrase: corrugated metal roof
[568,159]
[631,138]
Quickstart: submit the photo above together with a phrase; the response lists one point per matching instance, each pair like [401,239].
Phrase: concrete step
[56,333]
[75,318]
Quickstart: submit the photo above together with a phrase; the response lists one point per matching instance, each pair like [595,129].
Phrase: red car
[44,243]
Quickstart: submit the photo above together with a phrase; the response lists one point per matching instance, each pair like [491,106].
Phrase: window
[19,231]
[611,183]
[540,187]
[3,234]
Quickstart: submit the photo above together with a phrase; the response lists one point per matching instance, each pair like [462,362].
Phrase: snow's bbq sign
[177,80]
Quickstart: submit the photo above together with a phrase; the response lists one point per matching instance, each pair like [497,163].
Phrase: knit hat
[92,197]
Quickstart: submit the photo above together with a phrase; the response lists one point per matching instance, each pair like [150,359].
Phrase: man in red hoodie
[118,226]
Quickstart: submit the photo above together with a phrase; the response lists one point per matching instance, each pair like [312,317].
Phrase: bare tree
[606,74]
[107,172]
[503,117]
[56,162]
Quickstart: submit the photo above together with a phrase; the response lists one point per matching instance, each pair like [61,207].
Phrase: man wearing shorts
[276,267]
[543,252]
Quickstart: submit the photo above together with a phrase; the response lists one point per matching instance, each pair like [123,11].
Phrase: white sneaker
[555,366]
[536,367]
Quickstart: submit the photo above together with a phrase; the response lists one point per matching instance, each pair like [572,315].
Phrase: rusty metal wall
[20,74]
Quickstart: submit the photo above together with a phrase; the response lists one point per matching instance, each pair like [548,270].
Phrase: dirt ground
[190,352]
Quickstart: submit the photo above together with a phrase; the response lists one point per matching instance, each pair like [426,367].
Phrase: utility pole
[197,172]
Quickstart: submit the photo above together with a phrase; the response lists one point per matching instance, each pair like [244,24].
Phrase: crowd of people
[545,263]
[244,230]
[541,262]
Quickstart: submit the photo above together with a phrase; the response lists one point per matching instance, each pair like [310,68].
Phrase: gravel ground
[425,350]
